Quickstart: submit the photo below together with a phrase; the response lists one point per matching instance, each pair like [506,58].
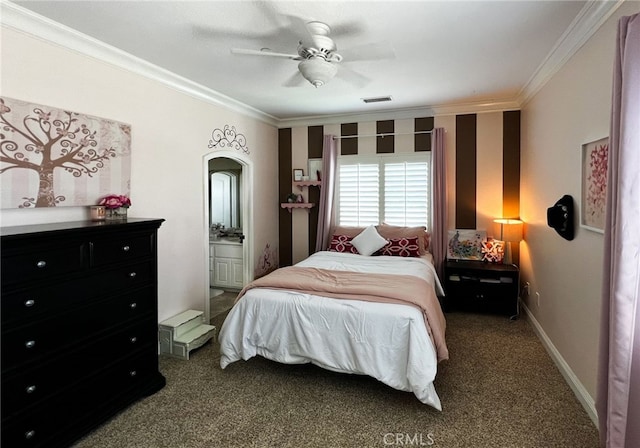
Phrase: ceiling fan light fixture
[317,71]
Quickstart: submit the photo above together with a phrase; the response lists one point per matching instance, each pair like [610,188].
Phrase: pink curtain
[329,162]
[618,398]
[438,229]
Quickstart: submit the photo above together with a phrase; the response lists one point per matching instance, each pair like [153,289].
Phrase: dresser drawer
[122,248]
[228,251]
[23,306]
[33,342]
[30,264]
[101,395]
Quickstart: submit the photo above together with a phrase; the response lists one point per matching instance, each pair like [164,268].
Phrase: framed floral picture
[465,244]
[595,158]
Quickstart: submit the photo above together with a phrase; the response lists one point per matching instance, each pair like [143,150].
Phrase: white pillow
[368,241]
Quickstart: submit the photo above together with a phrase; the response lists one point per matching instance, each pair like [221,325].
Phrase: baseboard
[576,386]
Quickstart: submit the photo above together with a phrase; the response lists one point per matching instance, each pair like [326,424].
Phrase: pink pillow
[389,231]
[401,247]
[342,243]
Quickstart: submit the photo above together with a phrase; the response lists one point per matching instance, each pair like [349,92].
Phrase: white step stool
[185,332]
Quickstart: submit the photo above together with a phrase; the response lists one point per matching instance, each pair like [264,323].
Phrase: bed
[342,327]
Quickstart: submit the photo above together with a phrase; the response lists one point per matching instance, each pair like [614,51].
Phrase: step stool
[184,332]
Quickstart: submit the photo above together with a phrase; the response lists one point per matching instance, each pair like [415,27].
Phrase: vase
[117,214]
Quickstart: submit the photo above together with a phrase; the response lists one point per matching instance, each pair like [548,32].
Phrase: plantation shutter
[358,191]
[406,193]
[395,189]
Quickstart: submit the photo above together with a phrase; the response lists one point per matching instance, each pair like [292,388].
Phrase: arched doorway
[237,183]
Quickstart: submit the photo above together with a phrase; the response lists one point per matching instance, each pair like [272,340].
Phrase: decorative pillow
[368,241]
[347,230]
[401,247]
[389,231]
[342,243]
[493,251]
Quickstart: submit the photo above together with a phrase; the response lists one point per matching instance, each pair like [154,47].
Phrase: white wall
[170,134]
[573,108]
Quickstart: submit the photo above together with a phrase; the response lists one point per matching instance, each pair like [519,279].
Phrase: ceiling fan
[319,57]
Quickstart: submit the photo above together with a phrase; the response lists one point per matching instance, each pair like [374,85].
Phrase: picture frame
[593,200]
[465,244]
[297,174]
[315,169]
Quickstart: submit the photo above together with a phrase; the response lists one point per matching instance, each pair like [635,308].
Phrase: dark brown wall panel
[284,188]
[385,145]
[511,171]
[466,171]
[315,142]
[511,164]
[349,146]
[422,142]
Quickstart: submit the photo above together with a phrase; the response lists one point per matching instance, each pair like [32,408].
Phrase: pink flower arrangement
[115,201]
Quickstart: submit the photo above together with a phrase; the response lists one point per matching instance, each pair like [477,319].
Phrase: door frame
[246,198]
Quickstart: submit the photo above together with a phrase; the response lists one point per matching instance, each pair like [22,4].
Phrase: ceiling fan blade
[352,77]
[295,80]
[369,52]
[294,57]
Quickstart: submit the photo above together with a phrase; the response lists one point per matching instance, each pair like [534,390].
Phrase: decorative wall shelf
[290,205]
[307,183]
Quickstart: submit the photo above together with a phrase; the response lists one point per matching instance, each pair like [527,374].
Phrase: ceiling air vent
[379,99]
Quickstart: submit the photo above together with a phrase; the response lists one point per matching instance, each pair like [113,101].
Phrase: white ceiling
[446,53]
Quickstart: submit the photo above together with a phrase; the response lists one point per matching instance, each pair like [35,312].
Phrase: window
[394,189]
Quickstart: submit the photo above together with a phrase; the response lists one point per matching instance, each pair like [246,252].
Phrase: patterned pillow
[342,243]
[402,247]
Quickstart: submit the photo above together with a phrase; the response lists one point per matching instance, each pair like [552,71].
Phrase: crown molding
[399,114]
[592,15]
[27,22]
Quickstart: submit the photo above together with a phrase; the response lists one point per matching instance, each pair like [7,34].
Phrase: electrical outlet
[527,289]
[538,298]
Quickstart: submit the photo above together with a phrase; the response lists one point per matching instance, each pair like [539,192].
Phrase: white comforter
[389,342]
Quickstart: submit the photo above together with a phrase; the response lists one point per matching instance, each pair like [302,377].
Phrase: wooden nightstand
[481,287]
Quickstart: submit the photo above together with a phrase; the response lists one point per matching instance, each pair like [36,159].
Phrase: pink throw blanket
[388,288]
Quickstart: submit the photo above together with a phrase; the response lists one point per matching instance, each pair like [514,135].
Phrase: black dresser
[79,326]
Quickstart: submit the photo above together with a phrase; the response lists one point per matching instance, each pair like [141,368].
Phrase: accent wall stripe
[349,146]
[316,141]
[285,171]
[385,145]
[511,171]
[511,164]
[466,171]
[422,142]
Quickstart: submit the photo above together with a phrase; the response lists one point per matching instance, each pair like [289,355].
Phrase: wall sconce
[560,217]
[510,231]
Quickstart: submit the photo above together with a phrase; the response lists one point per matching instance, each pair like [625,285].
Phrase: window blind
[394,189]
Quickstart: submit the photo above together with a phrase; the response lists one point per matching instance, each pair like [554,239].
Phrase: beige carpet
[499,389]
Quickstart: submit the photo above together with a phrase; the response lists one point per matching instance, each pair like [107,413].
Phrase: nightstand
[481,287]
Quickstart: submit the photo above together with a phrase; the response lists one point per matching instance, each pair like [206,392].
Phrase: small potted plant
[292,198]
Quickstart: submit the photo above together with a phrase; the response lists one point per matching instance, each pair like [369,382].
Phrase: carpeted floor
[499,389]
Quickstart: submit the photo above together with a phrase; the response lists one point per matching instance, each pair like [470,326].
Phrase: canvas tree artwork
[51,157]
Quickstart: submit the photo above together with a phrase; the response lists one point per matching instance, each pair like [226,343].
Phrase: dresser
[79,327]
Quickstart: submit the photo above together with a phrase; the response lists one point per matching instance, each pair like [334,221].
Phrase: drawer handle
[133,339]
[31,389]
[126,248]
[132,274]
[29,303]
[133,373]
[30,344]
[29,434]
[133,305]
[41,263]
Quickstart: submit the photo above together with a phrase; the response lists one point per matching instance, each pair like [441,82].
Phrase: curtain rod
[382,135]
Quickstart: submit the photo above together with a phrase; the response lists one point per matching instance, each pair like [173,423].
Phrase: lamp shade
[509,230]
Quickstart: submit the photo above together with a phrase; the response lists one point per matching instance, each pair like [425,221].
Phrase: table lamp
[510,231]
